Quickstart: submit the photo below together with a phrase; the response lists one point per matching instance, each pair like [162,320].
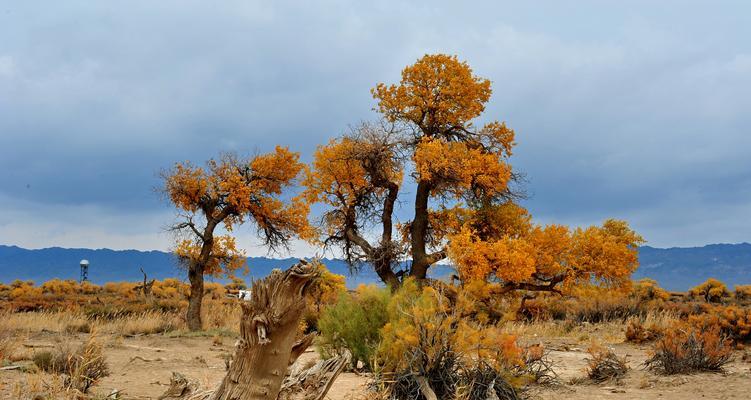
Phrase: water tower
[84,270]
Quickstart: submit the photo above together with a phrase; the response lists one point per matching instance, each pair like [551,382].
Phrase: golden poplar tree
[225,193]
[462,203]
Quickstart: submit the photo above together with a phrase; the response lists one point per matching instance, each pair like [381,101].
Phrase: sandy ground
[141,368]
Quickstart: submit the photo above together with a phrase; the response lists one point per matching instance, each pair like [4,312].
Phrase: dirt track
[141,368]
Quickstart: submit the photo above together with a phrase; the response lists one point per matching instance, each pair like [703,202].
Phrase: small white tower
[84,270]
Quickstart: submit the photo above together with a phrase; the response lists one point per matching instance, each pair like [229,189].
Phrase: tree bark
[267,335]
[262,367]
[193,316]
[387,275]
[196,269]
[420,262]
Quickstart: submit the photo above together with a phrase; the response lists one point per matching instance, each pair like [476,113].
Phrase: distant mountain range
[679,268]
[674,268]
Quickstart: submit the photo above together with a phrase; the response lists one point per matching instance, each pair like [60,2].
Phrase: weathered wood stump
[268,347]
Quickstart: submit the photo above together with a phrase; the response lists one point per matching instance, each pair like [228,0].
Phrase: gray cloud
[634,110]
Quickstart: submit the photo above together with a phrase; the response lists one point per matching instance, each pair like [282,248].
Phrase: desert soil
[141,368]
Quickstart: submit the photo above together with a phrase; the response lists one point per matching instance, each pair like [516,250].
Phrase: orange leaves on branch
[350,168]
[423,325]
[608,253]
[231,189]
[458,167]
[501,244]
[327,288]
[507,259]
[225,258]
[358,177]
[435,93]
[186,186]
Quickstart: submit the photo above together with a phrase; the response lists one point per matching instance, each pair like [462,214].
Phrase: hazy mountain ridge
[679,268]
[674,268]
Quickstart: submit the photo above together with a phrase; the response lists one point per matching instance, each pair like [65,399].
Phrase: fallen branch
[145,359]
[425,388]
[156,349]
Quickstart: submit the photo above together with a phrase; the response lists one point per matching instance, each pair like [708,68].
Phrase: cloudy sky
[638,110]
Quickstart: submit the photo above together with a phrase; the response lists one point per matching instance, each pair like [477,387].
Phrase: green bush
[353,324]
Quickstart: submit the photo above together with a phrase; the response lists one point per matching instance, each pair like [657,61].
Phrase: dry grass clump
[81,367]
[39,387]
[221,315]
[146,323]
[650,328]
[8,345]
[604,365]
[692,349]
[78,327]
[40,321]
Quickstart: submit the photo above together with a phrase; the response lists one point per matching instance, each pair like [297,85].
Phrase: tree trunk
[267,335]
[193,317]
[420,262]
[387,275]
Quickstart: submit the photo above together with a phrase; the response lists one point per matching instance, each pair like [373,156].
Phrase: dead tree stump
[267,335]
[268,347]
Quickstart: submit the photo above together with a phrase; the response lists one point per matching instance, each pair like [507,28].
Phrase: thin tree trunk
[420,262]
[193,317]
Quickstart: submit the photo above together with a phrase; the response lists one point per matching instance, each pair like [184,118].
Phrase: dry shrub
[743,292]
[636,332]
[538,367]
[426,338]
[82,367]
[213,291]
[734,322]
[89,288]
[537,311]
[712,291]
[60,287]
[647,290]
[592,305]
[485,382]
[24,290]
[170,288]
[604,365]
[690,349]
[40,387]
[605,309]
[122,289]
